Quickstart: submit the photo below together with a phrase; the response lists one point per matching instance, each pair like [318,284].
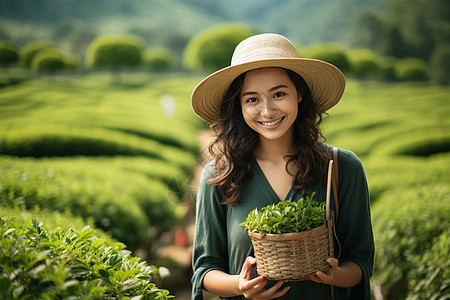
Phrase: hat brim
[325,81]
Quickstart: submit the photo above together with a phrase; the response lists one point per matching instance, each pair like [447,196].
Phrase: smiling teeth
[271,123]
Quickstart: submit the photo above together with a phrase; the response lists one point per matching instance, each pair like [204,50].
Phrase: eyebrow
[270,90]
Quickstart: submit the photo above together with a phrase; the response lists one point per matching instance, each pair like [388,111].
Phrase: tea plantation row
[118,159]
[81,152]
[402,134]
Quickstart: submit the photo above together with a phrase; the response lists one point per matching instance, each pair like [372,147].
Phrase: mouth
[271,123]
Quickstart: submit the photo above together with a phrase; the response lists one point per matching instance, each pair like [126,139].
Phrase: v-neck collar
[259,172]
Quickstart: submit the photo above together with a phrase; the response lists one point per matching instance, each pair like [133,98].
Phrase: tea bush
[53,219]
[60,140]
[37,264]
[406,224]
[430,278]
[118,198]
[386,174]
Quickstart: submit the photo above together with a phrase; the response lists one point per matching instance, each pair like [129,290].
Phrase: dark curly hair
[235,141]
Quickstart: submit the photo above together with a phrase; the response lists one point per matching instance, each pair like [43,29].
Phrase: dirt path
[178,244]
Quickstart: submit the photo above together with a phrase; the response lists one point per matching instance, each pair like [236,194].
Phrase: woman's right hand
[253,288]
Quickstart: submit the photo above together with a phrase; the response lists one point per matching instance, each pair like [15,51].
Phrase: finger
[333,262]
[247,268]
[315,279]
[280,293]
[256,284]
[270,292]
[324,278]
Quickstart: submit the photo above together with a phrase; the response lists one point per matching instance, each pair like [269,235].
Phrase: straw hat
[325,81]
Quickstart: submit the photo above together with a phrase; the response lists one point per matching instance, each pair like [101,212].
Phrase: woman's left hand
[328,276]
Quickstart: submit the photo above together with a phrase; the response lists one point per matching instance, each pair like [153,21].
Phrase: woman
[266,109]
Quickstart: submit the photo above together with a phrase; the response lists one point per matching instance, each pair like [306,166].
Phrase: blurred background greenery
[96,125]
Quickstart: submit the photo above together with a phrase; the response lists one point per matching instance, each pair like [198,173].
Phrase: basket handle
[330,169]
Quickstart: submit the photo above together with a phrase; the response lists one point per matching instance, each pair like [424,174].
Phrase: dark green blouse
[222,244]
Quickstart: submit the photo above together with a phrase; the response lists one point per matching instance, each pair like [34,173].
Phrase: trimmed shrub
[386,67]
[9,53]
[117,198]
[28,51]
[212,48]
[440,65]
[332,53]
[46,141]
[115,52]
[419,142]
[159,59]
[363,62]
[48,61]
[70,264]
[411,69]
[406,223]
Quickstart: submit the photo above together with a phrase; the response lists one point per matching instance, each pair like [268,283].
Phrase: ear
[300,98]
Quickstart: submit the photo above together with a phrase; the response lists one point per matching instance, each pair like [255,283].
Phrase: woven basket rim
[291,235]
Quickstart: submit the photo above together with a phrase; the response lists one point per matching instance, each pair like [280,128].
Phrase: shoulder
[208,172]
[350,167]
[348,158]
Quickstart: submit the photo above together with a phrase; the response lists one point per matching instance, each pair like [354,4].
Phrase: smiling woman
[266,110]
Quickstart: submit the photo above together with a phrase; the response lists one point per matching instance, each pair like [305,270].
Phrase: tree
[440,65]
[365,31]
[212,49]
[9,53]
[115,53]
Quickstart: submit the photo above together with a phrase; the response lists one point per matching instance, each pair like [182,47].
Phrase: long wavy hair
[235,142]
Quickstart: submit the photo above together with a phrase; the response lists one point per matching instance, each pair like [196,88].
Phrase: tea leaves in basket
[287,216]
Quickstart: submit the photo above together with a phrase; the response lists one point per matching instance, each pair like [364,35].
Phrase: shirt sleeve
[210,241]
[354,226]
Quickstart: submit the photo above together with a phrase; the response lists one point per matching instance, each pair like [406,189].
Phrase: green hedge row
[385,174]
[57,140]
[70,264]
[411,237]
[120,199]
[54,219]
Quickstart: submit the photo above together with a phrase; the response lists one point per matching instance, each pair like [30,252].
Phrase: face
[269,102]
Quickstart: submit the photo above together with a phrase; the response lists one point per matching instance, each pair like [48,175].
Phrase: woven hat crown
[263,46]
[325,82]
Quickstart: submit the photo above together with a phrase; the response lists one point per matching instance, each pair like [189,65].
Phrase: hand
[329,275]
[254,288]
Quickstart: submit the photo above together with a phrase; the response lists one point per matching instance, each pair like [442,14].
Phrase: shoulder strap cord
[335,184]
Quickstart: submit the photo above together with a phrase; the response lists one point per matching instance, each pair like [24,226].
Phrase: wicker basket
[295,256]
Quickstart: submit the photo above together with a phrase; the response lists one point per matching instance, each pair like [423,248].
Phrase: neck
[274,149]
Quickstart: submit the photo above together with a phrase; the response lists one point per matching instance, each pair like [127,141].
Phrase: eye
[251,100]
[279,94]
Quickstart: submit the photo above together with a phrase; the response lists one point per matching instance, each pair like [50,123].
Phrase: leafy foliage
[9,53]
[115,52]
[287,216]
[159,59]
[406,224]
[212,48]
[37,264]
[430,278]
[411,68]
[32,48]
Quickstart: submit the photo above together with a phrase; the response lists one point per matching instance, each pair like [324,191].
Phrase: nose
[268,108]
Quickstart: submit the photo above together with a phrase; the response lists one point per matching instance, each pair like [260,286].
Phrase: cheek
[248,113]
